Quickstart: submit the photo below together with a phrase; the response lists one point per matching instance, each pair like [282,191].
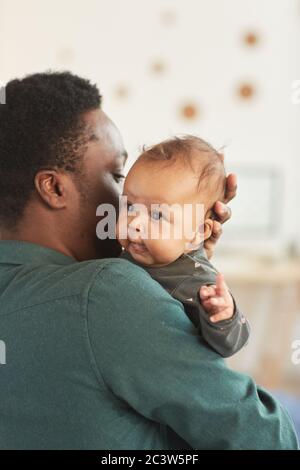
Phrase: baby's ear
[208,226]
[202,234]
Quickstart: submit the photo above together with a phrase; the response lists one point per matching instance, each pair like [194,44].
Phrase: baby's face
[163,215]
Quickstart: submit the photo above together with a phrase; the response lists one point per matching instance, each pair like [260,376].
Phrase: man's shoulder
[83,275]
[118,275]
[93,277]
[42,284]
[124,297]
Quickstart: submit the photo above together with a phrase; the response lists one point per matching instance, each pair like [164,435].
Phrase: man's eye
[118,177]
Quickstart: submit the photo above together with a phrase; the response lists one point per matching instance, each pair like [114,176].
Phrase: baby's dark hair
[202,157]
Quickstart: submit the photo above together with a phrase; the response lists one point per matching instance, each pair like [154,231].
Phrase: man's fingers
[216,232]
[222,211]
[210,243]
[231,187]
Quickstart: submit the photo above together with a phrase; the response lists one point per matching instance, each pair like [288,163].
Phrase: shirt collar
[19,252]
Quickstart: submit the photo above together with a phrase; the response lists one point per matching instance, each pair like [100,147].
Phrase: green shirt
[100,356]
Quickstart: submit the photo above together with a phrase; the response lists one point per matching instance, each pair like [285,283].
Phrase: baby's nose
[136,224]
[135,229]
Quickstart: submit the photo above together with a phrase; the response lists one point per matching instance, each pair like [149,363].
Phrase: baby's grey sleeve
[226,337]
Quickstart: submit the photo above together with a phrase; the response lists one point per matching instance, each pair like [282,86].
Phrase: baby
[169,195]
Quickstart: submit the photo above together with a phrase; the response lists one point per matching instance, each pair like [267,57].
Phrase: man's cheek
[109,193]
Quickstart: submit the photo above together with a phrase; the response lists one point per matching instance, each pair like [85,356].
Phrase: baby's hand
[217,300]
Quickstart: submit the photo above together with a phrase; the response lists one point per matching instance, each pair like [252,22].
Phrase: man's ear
[50,185]
[207,230]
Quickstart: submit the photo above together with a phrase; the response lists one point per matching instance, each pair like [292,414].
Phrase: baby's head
[171,190]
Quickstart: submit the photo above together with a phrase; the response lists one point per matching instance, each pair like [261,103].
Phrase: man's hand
[217,300]
[223,213]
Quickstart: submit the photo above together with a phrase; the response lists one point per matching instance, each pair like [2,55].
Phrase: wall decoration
[251,39]
[122,92]
[158,67]
[168,17]
[246,91]
[190,111]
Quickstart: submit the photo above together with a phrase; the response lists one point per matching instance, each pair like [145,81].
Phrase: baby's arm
[216,316]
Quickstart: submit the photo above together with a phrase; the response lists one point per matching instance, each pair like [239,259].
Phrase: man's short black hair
[41,127]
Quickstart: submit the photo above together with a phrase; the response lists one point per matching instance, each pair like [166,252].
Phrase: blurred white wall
[199,44]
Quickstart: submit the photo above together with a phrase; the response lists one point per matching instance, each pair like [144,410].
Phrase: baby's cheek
[178,247]
[166,251]
[121,228]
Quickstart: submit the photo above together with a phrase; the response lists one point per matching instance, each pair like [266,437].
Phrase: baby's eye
[130,207]
[156,215]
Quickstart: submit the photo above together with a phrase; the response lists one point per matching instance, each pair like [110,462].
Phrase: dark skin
[61,217]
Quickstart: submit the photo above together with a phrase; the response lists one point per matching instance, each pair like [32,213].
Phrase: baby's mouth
[137,247]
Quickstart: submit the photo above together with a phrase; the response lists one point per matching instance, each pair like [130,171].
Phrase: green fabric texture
[100,356]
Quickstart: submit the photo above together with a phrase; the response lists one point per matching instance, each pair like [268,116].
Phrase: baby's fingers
[213,305]
[222,289]
[207,291]
[218,302]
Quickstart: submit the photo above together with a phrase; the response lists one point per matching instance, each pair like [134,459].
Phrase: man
[98,355]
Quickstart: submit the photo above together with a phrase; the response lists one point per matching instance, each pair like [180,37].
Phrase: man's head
[175,176]
[60,157]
